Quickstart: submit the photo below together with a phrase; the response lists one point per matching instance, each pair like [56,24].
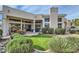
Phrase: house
[31,22]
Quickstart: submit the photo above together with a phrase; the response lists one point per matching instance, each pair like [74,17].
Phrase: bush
[19,45]
[64,45]
[47,30]
[72,31]
[50,30]
[1,32]
[60,31]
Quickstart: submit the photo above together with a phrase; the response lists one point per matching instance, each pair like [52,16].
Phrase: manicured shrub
[47,30]
[63,44]
[19,45]
[50,30]
[60,31]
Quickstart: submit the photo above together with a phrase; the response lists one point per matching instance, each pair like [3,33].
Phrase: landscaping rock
[2,46]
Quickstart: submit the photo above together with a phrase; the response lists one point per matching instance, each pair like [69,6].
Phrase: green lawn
[40,41]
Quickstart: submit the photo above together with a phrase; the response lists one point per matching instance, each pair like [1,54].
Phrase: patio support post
[24,26]
[34,25]
[21,24]
[43,23]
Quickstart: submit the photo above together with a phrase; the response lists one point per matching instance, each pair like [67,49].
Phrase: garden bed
[58,43]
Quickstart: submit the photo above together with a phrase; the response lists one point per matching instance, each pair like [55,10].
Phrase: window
[59,25]
[59,19]
[46,19]
[46,24]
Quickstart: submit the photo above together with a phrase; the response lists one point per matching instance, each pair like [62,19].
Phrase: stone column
[34,25]
[5,25]
[43,23]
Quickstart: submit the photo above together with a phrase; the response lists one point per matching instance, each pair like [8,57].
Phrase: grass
[40,42]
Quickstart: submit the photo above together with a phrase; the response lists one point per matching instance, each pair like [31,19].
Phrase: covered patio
[27,25]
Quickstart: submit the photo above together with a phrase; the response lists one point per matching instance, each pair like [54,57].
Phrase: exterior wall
[53,17]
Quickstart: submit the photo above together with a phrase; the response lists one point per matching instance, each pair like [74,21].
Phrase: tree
[76,22]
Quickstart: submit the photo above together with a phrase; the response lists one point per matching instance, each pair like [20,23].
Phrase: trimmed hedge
[60,31]
[20,45]
[47,30]
[50,30]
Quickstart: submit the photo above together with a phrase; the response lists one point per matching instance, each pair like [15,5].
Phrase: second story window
[59,19]
[59,25]
[47,25]
[46,19]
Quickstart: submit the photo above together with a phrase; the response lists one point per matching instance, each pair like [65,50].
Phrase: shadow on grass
[39,47]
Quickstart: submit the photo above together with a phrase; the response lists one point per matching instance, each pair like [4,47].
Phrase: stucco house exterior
[31,22]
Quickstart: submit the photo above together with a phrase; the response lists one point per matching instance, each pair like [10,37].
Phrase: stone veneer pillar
[5,26]
[53,17]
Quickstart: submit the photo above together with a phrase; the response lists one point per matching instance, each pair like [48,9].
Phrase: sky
[72,11]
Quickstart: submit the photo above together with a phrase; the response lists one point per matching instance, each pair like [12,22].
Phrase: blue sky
[72,11]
